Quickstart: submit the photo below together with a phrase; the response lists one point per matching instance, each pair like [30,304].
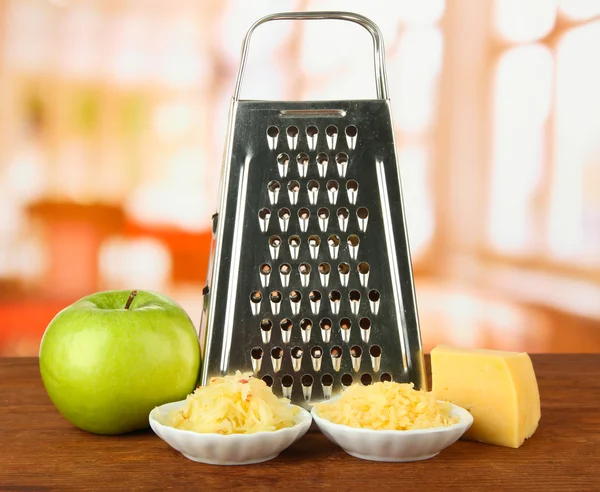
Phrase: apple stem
[131,298]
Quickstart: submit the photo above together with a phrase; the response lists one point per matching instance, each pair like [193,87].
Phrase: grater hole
[332,190]
[256,353]
[312,131]
[316,352]
[375,351]
[385,377]
[314,241]
[355,351]
[275,296]
[268,380]
[285,268]
[336,352]
[365,323]
[284,213]
[325,325]
[343,213]
[286,324]
[287,381]
[292,131]
[293,186]
[333,240]
[362,213]
[273,131]
[344,268]
[307,380]
[353,240]
[323,213]
[265,269]
[283,159]
[366,379]
[354,296]
[303,213]
[331,130]
[324,268]
[352,185]
[277,353]
[322,158]
[295,296]
[274,241]
[314,295]
[305,324]
[297,353]
[294,241]
[346,380]
[345,323]
[264,214]
[266,324]
[363,268]
[313,185]
[304,268]
[302,159]
[352,190]
[256,297]
[341,158]
[327,380]
[273,186]
[351,131]
[335,296]
[374,295]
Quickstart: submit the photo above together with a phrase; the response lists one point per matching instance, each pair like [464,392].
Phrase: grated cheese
[235,404]
[387,406]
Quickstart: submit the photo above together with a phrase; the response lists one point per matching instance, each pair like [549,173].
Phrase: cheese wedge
[499,389]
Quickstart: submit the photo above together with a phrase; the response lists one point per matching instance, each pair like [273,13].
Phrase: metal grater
[310,283]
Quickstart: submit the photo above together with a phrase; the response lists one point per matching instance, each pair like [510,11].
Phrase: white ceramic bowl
[232,449]
[395,445]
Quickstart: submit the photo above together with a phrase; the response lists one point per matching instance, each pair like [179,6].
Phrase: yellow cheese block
[499,389]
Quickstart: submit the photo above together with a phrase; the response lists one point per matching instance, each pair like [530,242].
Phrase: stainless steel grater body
[310,283]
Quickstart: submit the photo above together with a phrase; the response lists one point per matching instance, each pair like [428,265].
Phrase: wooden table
[39,450]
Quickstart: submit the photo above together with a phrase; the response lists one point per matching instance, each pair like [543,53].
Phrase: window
[544,204]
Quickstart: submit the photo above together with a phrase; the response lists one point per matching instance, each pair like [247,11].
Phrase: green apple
[108,359]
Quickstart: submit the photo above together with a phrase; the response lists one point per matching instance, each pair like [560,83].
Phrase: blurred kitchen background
[112,125]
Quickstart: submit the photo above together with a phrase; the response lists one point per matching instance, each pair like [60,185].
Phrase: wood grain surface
[40,450]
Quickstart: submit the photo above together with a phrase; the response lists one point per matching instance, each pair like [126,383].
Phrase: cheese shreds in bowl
[387,406]
[234,404]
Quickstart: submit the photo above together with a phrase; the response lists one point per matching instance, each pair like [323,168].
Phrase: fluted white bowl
[395,445]
[230,449]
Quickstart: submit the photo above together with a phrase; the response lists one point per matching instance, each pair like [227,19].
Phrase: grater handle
[368,24]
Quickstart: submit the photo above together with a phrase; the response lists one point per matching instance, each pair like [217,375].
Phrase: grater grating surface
[310,282]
